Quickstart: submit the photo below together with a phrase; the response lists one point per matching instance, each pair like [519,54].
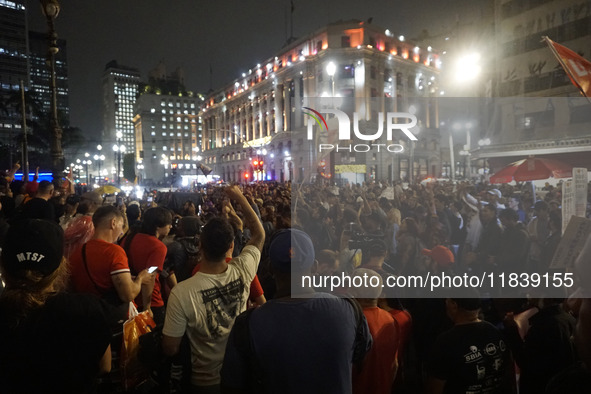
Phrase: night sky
[231,35]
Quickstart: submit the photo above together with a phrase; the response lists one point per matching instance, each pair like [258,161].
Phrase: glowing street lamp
[468,67]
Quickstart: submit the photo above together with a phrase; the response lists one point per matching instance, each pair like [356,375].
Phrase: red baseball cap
[441,255]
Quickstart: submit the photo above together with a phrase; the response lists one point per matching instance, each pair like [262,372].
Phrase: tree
[129,167]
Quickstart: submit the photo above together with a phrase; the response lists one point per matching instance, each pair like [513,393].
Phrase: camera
[364,241]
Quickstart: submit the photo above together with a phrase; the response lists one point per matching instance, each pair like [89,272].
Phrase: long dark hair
[29,290]
[151,220]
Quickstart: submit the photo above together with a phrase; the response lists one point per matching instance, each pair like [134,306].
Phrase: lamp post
[140,168]
[98,159]
[51,9]
[331,69]
[87,163]
[119,148]
[466,151]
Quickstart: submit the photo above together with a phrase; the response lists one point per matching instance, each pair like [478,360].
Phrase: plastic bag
[138,324]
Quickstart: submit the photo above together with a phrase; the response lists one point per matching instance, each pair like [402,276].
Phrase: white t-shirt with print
[205,306]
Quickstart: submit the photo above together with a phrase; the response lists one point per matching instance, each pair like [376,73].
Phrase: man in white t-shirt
[205,305]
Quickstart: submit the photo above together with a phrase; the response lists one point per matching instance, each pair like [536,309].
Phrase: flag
[577,68]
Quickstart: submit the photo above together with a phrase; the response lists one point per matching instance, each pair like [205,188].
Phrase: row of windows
[178,104]
[186,112]
[153,133]
[562,33]
[516,7]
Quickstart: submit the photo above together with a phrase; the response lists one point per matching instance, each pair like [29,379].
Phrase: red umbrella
[531,169]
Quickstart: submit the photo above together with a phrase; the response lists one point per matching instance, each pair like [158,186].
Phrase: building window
[387,75]
[372,72]
[345,41]
[347,71]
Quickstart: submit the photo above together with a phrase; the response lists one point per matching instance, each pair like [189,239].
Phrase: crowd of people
[220,274]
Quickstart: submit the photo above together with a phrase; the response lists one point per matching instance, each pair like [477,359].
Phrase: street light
[331,69]
[51,9]
[98,159]
[468,67]
[87,163]
[119,148]
[466,151]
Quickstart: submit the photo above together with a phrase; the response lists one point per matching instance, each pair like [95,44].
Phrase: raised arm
[257,238]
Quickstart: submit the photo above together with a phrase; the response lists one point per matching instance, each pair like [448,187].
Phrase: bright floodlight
[468,67]
[331,69]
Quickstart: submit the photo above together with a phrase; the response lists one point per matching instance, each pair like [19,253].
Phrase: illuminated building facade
[167,137]
[557,124]
[13,63]
[260,116]
[120,90]
[40,75]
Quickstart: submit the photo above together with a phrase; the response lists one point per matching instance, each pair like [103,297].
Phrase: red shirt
[377,374]
[404,321]
[256,290]
[103,259]
[147,251]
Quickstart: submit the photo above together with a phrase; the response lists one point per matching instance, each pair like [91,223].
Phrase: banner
[577,68]
[580,185]
[355,168]
[571,244]
[568,203]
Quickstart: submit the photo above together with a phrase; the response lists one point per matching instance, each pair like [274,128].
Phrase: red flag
[577,68]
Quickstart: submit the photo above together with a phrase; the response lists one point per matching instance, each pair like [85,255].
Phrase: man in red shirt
[380,365]
[100,266]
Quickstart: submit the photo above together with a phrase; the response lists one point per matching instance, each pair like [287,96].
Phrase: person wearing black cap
[472,356]
[302,341]
[50,341]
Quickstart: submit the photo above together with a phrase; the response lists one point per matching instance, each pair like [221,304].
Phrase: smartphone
[152,269]
[150,199]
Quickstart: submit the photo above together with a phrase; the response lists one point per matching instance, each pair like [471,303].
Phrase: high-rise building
[14,67]
[167,129]
[545,114]
[41,75]
[260,116]
[120,91]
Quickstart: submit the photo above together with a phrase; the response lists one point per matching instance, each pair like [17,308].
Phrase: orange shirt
[377,373]
[404,321]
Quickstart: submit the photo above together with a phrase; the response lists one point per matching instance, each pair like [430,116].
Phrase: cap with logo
[33,244]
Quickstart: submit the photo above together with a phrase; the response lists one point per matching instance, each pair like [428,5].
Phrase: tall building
[262,116]
[41,78]
[546,115]
[14,67]
[167,129]
[120,91]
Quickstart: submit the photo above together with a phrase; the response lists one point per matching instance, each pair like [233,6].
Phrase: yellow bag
[137,325]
